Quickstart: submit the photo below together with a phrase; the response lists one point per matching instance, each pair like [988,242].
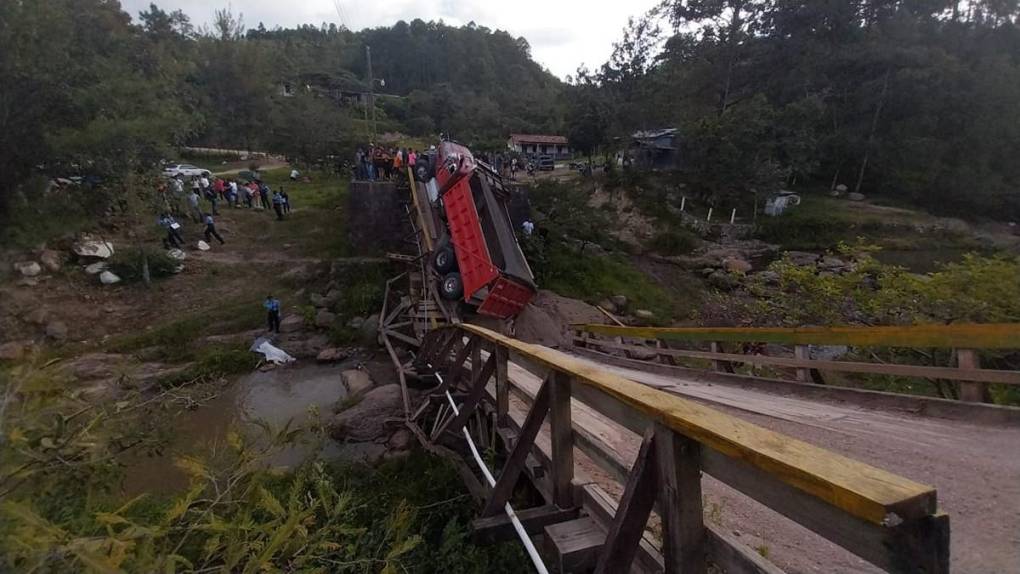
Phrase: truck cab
[477,257]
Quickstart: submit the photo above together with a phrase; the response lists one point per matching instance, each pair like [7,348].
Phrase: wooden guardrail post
[971,391]
[562,440]
[802,352]
[683,529]
[502,384]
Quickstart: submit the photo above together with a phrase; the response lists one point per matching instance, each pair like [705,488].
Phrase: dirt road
[976,470]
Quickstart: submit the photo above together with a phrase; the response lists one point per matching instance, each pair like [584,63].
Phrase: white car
[185,170]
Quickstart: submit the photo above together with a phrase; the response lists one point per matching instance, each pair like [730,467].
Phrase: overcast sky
[563,33]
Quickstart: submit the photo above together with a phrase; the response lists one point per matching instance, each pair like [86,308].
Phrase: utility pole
[371,88]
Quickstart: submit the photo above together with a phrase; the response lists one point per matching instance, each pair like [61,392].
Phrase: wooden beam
[518,456]
[718,364]
[467,408]
[499,528]
[635,506]
[920,371]
[678,461]
[858,489]
[992,336]
[562,437]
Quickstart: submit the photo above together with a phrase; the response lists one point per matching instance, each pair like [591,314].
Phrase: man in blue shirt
[272,306]
[210,230]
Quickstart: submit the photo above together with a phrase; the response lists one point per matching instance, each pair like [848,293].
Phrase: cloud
[563,34]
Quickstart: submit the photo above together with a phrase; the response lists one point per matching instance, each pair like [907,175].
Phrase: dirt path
[976,470]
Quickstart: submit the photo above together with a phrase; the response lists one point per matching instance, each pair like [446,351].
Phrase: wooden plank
[575,544]
[515,462]
[635,506]
[991,336]
[920,371]
[678,460]
[400,373]
[467,408]
[857,488]
[974,392]
[561,430]
[455,371]
[498,528]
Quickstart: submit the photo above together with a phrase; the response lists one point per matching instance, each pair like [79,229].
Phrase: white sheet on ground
[272,353]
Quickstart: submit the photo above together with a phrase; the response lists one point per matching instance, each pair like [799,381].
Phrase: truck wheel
[445,259]
[423,169]
[451,287]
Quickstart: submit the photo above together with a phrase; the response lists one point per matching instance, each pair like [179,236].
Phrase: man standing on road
[272,305]
[210,230]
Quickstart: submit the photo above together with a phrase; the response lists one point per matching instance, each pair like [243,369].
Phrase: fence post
[683,527]
[802,352]
[562,440]
[971,391]
[720,366]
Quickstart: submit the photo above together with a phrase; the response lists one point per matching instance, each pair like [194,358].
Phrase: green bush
[803,229]
[128,264]
[675,241]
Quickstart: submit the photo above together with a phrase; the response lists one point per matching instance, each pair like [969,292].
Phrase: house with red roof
[534,144]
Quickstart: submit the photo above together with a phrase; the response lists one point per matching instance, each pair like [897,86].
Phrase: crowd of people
[382,163]
[201,203]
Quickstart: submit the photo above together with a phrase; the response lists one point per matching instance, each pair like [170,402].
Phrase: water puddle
[275,397]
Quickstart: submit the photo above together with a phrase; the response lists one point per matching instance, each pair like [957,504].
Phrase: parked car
[185,169]
[545,163]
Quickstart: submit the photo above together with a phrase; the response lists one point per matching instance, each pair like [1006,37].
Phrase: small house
[655,149]
[531,144]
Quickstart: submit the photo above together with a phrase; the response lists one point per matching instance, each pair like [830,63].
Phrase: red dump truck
[477,256]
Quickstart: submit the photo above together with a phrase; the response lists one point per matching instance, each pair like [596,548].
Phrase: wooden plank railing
[886,519]
[964,339]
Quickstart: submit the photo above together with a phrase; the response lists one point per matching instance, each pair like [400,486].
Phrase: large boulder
[366,421]
[619,301]
[333,297]
[356,381]
[802,258]
[736,265]
[109,278]
[93,248]
[401,440]
[51,260]
[325,319]
[369,330]
[318,300]
[854,196]
[644,314]
[57,330]
[643,354]
[96,268]
[291,324]
[333,355]
[28,268]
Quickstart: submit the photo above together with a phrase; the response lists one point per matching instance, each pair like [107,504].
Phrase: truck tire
[423,169]
[445,260]
[451,287]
